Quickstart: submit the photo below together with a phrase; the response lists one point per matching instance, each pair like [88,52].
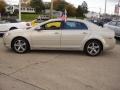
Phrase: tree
[71,10]
[2,6]
[38,5]
[16,12]
[47,5]
[59,5]
[84,7]
[79,12]
[82,10]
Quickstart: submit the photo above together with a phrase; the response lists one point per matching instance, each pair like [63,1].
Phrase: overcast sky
[93,5]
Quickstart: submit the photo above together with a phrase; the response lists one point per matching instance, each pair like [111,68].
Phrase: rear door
[73,33]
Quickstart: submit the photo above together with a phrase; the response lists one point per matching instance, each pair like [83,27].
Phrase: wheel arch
[13,28]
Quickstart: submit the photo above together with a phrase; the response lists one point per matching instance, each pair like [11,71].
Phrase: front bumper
[7,42]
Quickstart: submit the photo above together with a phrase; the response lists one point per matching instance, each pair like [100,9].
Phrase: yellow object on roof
[34,23]
[55,24]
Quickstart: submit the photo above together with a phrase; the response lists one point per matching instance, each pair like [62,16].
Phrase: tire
[12,28]
[93,48]
[20,45]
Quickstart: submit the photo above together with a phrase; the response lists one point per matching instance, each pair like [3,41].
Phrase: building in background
[56,14]
[24,9]
[92,15]
[25,1]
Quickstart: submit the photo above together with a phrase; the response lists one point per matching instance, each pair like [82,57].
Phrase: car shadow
[59,52]
[117,40]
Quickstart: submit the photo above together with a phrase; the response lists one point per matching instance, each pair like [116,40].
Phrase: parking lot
[59,70]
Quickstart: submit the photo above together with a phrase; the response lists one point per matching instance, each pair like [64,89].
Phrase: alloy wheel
[20,46]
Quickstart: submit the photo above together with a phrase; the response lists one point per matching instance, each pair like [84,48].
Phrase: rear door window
[72,25]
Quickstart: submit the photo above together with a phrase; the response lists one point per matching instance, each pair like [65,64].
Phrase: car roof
[69,19]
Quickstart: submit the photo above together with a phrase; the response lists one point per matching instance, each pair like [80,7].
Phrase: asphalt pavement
[59,70]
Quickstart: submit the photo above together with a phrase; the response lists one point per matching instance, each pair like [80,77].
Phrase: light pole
[20,10]
[51,9]
[100,12]
[105,6]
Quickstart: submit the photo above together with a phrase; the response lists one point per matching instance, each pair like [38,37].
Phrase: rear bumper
[109,43]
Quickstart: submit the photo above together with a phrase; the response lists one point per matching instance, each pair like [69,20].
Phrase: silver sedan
[56,34]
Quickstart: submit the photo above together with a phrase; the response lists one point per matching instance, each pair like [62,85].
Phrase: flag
[64,16]
[116,9]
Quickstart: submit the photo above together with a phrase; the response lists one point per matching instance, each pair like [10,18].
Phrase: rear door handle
[85,33]
[56,32]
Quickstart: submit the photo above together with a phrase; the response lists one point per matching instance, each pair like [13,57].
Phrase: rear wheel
[20,45]
[93,48]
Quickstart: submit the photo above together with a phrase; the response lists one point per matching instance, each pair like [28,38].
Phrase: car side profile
[56,34]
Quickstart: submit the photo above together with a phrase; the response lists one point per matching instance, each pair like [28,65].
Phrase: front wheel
[20,45]
[93,48]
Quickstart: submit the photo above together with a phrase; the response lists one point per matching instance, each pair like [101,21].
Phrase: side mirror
[38,28]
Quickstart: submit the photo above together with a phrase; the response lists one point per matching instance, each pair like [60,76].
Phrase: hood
[18,31]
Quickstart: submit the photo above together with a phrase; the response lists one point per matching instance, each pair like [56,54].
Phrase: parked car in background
[100,22]
[115,26]
[7,25]
[56,34]
[44,17]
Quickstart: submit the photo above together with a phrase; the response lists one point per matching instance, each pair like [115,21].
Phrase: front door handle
[56,32]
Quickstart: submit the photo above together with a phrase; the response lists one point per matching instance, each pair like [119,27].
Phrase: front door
[48,37]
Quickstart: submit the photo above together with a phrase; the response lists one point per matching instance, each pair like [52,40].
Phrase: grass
[29,17]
